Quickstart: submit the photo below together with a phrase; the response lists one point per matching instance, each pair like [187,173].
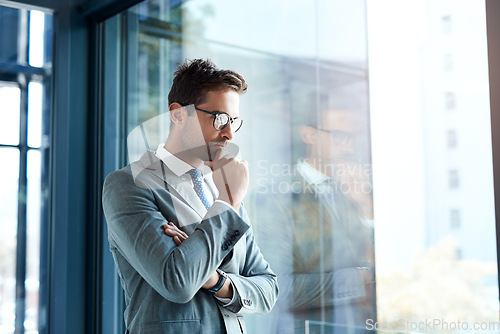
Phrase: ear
[178,114]
[308,135]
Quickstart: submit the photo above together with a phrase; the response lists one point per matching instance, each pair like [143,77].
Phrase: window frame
[20,74]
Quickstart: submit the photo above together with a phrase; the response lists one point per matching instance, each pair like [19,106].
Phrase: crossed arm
[178,236]
[178,270]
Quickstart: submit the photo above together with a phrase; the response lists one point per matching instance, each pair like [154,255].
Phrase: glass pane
[308,135]
[434,199]
[36,42]
[11,103]
[307,78]
[9,178]
[9,32]
[33,203]
[35,90]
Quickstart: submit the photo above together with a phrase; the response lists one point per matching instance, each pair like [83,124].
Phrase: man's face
[336,146]
[200,133]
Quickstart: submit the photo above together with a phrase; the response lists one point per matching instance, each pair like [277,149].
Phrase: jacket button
[236,233]
[224,247]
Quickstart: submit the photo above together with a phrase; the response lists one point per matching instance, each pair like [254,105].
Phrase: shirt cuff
[348,284]
[226,204]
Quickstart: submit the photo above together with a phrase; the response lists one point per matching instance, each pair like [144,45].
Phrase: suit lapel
[185,192]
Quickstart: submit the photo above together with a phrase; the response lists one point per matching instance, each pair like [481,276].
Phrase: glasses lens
[236,124]
[341,137]
[221,121]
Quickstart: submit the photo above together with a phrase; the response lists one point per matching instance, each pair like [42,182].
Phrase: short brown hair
[194,79]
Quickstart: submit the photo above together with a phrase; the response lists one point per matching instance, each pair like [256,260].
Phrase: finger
[230,150]
[177,241]
[171,232]
[169,224]
[181,232]
[176,234]
[220,161]
[227,153]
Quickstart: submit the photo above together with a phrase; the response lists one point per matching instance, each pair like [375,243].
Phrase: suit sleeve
[134,227]
[257,284]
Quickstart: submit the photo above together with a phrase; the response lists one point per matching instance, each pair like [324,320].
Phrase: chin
[212,150]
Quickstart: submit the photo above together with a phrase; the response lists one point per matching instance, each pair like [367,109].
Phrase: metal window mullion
[21,211]
[43,293]
[10,146]
[22,58]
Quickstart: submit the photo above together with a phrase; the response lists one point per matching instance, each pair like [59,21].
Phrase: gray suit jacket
[162,281]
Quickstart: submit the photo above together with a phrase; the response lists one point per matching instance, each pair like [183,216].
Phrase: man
[333,212]
[322,245]
[207,270]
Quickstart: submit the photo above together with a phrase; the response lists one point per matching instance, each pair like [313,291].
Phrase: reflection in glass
[10,96]
[310,197]
[317,237]
[9,179]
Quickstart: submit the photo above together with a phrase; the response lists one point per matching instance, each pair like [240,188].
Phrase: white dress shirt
[181,169]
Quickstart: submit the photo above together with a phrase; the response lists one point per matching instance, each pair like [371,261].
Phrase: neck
[185,155]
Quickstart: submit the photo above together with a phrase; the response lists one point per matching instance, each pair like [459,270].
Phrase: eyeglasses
[221,120]
[339,137]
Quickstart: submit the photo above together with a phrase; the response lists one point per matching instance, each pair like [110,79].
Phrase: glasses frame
[347,136]
[230,119]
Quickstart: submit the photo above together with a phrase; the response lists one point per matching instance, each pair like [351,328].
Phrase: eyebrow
[217,112]
[223,112]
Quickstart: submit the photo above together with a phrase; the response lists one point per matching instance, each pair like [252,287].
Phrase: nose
[227,132]
[348,147]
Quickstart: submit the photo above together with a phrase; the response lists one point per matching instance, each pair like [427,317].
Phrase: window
[302,77]
[24,80]
[453,180]
[448,62]
[446,24]
[451,138]
[411,253]
[455,221]
[294,82]
[449,100]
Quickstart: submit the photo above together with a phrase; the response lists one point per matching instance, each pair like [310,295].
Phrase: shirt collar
[175,164]
[310,174]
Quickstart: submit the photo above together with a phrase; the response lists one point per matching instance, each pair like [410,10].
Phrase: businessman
[179,234]
[321,241]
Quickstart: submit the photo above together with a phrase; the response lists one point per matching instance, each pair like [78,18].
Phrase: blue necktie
[198,186]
